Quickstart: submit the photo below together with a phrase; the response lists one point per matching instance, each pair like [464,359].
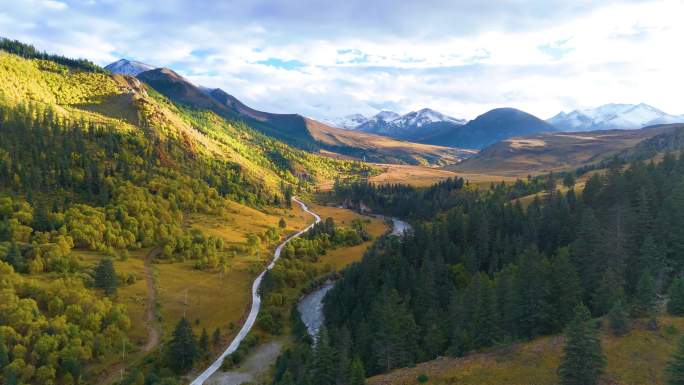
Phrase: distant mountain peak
[408,126]
[128,67]
[613,116]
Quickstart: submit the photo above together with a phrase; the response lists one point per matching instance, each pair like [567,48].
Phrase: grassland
[338,259]
[553,152]
[639,358]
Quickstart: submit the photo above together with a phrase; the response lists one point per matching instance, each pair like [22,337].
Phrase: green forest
[89,162]
[479,270]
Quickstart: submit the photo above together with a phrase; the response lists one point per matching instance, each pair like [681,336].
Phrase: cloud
[324,58]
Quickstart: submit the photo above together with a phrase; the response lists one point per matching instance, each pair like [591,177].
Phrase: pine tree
[618,319]
[41,219]
[583,360]
[282,224]
[675,304]
[183,350]
[216,337]
[203,343]
[566,289]
[675,367]
[105,276]
[325,365]
[645,297]
[358,374]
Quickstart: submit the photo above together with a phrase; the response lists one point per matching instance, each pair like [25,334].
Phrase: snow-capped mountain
[613,116]
[407,126]
[128,67]
[349,122]
[423,117]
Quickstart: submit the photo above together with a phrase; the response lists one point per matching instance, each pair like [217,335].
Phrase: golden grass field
[338,259]
[639,358]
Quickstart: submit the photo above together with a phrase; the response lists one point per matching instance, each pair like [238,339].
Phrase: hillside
[488,128]
[295,129]
[112,200]
[381,149]
[639,358]
[551,152]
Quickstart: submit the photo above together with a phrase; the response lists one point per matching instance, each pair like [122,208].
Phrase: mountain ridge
[613,116]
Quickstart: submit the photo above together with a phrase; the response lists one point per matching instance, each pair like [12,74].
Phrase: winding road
[256,303]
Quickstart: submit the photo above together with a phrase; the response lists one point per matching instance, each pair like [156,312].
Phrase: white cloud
[458,57]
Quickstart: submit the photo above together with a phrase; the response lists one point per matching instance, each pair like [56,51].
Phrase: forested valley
[486,271]
[91,161]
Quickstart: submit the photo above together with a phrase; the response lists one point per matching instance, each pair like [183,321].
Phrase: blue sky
[328,59]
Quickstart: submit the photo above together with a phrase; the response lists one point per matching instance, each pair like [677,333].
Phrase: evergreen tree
[644,302]
[182,351]
[41,219]
[675,367]
[358,374]
[675,304]
[282,224]
[569,180]
[583,360]
[325,365]
[105,276]
[532,288]
[216,337]
[203,343]
[618,319]
[566,289]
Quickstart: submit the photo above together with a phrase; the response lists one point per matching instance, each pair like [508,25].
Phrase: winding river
[311,305]
[256,303]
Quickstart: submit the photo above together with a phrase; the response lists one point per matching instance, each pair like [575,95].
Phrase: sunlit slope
[129,104]
[552,152]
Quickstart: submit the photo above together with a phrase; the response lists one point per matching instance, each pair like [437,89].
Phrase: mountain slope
[295,129]
[490,127]
[613,116]
[128,67]
[550,152]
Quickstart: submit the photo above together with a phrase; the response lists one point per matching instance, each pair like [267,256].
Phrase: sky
[328,59]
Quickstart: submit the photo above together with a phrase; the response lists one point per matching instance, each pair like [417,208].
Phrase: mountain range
[293,129]
[433,127]
[613,116]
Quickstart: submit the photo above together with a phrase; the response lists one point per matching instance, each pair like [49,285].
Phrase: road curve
[256,303]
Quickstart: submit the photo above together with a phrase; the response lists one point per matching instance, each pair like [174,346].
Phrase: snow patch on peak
[128,67]
[613,116]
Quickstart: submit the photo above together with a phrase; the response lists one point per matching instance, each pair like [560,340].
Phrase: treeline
[487,270]
[28,51]
[410,202]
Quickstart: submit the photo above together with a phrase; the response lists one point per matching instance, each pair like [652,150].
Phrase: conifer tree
[203,343]
[183,350]
[583,360]
[675,304]
[216,337]
[675,367]
[357,373]
[282,224]
[566,290]
[325,365]
[645,297]
[618,319]
[105,276]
